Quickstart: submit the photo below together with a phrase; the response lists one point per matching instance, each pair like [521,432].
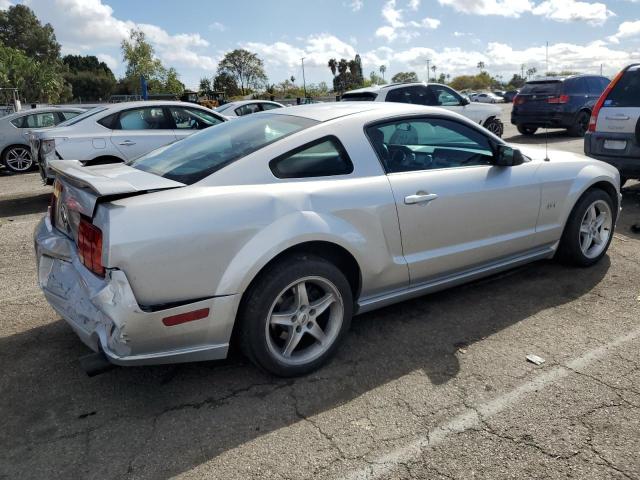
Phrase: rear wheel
[295,316]
[524,130]
[589,230]
[581,124]
[17,159]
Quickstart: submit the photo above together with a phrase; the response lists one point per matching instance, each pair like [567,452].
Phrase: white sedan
[118,132]
[246,107]
[487,98]
[278,227]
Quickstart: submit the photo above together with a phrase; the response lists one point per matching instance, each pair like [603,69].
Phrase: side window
[426,144]
[109,121]
[19,122]
[443,96]
[595,85]
[192,119]
[322,158]
[399,95]
[68,115]
[269,106]
[577,86]
[39,120]
[147,118]
[248,109]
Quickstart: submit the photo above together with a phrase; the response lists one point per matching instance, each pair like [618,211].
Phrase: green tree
[223,82]
[246,68]
[333,66]
[172,83]
[516,81]
[141,61]
[205,86]
[404,77]
[21,29]
[89,78]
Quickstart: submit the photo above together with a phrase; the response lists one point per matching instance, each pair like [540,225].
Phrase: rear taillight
[596,108]
[90,246]
[560,99]
[518,100]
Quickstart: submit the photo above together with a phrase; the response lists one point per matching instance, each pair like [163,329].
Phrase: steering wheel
[401,155]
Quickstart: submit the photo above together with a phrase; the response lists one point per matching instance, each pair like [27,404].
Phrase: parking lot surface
[435,388]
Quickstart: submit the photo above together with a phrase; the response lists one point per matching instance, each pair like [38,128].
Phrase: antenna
[546,126]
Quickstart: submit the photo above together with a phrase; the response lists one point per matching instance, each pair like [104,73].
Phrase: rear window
[199,155]
[359,97]
[626,92]
[541,88]
[82,116]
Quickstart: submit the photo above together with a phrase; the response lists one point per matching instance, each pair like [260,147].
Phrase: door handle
[420,198]
[127,143]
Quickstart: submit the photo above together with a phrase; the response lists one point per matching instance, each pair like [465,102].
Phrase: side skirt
[442,283]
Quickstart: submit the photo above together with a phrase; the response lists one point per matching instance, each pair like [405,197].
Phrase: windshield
[198,156]
[82,116]
[541,88]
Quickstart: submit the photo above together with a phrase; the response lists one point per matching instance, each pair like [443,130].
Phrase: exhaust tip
[95,364]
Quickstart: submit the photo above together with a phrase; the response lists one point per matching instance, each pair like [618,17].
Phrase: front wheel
[495,126]
[589,230]
[295,316]
[17,159]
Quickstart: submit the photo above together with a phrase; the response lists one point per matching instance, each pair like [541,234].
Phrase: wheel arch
[599,183]
[9,147]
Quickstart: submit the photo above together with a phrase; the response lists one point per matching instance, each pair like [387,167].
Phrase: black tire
[579,128]
[495,126]
[266,290]
[17,159]
[524,130]
[569,251]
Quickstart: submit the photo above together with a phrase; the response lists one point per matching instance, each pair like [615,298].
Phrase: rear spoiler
[110,179]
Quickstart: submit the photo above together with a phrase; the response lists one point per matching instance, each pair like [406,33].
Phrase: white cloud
[505,8]
[356,5]
[217,26]
[111,62]
[88,25]
[626,30]
[414,4]
[572,11]
[559,10]
[396,27]
[4,4]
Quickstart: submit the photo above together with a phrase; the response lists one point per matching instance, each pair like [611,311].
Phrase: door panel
[140,130]
[479,214]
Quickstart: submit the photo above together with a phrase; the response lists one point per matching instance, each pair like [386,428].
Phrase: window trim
[420,116]
[331,138]
[172,121]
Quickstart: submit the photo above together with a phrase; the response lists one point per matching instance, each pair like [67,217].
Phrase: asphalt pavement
[433,388]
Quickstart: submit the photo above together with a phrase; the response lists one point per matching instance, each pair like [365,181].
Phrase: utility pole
[428,70]
[304,82]
[547,60]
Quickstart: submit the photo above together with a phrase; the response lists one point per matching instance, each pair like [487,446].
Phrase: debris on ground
[535,359]
[461,347]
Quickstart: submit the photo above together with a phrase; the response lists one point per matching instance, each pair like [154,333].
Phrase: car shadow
[552,136]
[23,206]
[157,422]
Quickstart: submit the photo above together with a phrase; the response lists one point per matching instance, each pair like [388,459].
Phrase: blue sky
[192,35]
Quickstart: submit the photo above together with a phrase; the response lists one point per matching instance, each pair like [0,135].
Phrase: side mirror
[507,156]
[465,101]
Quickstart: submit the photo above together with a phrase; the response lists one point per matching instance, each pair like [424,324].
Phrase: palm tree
[382,70]
[481,66]
[448,77]
[435,69]
[333,65]
[293,79]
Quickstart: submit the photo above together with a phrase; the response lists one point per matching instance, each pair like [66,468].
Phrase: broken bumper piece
[105,315]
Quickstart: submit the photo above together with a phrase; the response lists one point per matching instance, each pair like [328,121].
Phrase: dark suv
[557,103]
[614,128]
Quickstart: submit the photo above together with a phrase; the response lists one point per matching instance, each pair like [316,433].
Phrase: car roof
[31,111]
[562,79]
[324,112]
[377,88]
[147,103]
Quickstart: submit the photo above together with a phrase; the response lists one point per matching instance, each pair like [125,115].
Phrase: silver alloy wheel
[494,127]
[304,320]
[18,159]
[595,229]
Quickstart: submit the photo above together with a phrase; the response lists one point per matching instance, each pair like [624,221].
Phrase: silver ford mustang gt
[277,228]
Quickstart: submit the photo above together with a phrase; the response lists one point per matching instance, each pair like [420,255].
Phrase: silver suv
[613,135]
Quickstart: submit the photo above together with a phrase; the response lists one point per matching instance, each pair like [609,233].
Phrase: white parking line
[471,418]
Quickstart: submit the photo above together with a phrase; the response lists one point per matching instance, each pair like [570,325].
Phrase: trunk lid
[620,112]
[534,96]
[78,189]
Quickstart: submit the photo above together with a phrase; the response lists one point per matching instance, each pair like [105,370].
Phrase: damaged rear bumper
[105,315]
